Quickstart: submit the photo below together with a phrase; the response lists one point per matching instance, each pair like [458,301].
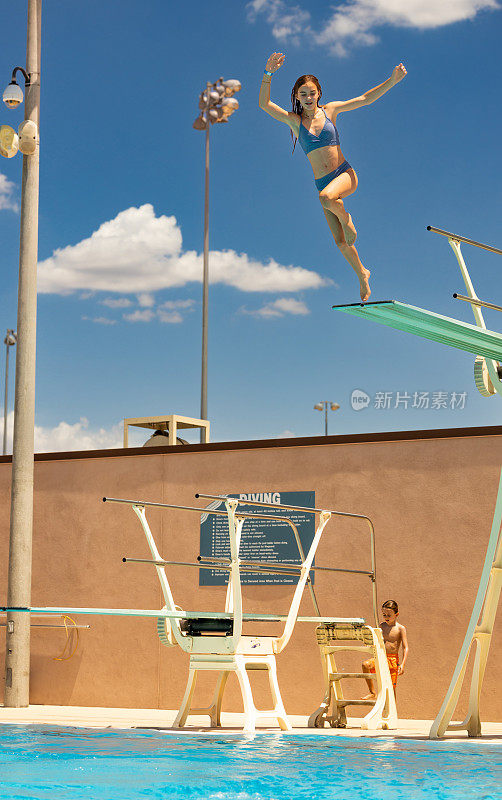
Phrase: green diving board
[429,325]
[162,612]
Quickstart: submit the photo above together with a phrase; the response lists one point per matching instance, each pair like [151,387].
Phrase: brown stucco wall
[431,500]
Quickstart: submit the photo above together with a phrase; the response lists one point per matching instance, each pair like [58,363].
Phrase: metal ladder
[365,639]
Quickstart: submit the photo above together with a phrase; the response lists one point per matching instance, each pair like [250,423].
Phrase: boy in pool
[394,636]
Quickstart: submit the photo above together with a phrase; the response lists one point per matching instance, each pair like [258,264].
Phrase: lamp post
[17,650]
[9,341]
[216,104]
[323,406]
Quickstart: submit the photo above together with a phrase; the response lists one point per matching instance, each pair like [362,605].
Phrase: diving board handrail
[216,512]
[282,641]
[477,302]
[233,602]
[215,561]
[464,239]
[270,568]
[286,507]
[144,503]
[454,242]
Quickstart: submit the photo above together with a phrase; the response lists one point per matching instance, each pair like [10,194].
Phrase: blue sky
[121,214]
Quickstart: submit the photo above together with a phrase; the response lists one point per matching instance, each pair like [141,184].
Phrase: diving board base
[240,664]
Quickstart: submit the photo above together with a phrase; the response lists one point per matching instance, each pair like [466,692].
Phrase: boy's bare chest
[391,634]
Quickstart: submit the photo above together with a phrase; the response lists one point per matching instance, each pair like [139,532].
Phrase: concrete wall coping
[258,444]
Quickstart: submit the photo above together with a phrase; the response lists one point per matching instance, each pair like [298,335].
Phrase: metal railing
[476,302]
[464,239]
[371,573]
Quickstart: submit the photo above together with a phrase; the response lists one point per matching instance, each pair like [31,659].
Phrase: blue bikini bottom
[321,183]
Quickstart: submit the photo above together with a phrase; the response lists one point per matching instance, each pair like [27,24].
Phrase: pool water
[49,763]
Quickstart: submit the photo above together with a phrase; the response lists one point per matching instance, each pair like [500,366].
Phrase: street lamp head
[11,338]
[335,406]
[231,87]
[319,407]
[13,95]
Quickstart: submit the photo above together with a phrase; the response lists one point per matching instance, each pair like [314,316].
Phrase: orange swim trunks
[393,661]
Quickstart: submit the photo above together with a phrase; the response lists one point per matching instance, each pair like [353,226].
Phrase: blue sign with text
[266,540]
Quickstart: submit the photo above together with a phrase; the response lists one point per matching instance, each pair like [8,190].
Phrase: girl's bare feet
[369,696]
[349,230]
[364,286]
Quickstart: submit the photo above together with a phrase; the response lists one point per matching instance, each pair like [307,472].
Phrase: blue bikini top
[328,136]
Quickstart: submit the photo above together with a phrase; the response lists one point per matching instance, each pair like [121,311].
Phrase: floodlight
[200,123]
[229,105]
[231,87]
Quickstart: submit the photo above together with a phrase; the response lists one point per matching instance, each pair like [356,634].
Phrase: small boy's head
[390,611]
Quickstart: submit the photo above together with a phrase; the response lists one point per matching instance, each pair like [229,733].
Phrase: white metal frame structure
[487,376]
[215,641]
[488,380]
[479,632]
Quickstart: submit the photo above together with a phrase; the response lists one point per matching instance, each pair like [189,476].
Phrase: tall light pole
[17,650]
[323,406]
[217,104]
[9,341]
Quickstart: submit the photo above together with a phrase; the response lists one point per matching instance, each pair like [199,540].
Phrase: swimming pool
[49,763]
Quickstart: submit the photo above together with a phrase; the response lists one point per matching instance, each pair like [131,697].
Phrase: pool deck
[155,719]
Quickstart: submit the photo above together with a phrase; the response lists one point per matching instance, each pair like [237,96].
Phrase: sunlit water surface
[49,763]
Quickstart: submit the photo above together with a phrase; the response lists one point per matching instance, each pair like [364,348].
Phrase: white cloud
[146,300]
[278,308]
[138,252]
[6,194]
[100,320]
[169,311]
[188,304]
[287,21]
[119,302]
[353,22]
[66,436]
[140,316]
[287,434]
[169,316]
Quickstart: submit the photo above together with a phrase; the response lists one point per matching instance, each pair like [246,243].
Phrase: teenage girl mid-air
[314,127]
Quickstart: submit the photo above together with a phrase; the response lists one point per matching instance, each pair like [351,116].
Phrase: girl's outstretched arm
[275,61]
[398,73]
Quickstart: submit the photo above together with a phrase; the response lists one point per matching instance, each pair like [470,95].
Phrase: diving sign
[265,540]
